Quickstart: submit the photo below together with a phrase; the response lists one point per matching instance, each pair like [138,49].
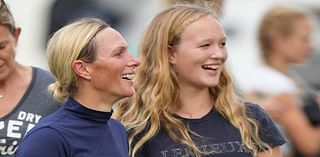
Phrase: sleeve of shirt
[268,131]
[44,142]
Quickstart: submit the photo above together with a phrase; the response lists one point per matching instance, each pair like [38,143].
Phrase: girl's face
[199,57]
[8,42]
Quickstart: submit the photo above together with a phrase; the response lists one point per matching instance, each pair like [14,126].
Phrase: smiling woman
[90,61]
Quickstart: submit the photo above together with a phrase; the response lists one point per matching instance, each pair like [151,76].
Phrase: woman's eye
[119,54]
[205,45]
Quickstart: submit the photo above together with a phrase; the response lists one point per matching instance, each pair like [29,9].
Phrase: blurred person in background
[63,12]
[93,70]
[24,96]
[285,39]
[185,103]
[217,5]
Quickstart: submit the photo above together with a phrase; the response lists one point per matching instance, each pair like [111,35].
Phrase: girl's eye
[223,44]
[2,46]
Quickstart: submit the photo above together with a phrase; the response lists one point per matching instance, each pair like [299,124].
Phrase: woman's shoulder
[116,124]
[39,72]
[269,80]
[48,140]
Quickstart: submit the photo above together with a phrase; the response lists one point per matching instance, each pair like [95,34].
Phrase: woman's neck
[278,64]
[20,74]
[93,100]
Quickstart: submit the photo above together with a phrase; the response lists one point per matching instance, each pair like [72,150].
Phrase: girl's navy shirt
[218,137]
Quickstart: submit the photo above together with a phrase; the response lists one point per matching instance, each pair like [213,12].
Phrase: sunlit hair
[157,91]
[279,20]
[75,41]
[214,4]
[6,17]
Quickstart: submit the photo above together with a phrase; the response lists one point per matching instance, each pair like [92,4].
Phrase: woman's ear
[172,55]
[17,34]
[278,41]
[81,69]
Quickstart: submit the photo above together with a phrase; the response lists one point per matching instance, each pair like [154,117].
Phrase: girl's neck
[195,105]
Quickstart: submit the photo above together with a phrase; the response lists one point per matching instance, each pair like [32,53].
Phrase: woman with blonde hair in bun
[93,70]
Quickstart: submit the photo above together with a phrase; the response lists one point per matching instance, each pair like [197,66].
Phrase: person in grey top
[24,98]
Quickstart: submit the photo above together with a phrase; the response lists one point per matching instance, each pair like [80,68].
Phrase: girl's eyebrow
[3,41]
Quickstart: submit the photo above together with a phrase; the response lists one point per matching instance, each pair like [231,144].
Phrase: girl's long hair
[157,91]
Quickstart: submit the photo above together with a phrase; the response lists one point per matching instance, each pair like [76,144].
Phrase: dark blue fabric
[75,131]
[218,137]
